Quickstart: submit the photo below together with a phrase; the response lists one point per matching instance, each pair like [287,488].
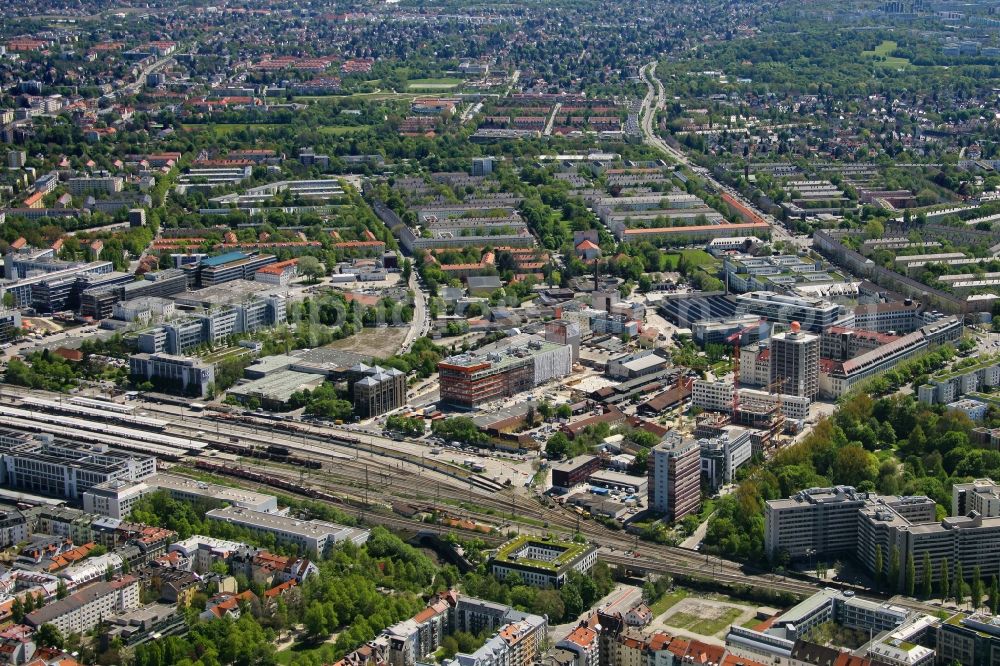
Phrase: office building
[605,323]
[56,292]
[674,486]
[189,376]
[314,538]
[723,454]
[143,310]
[115,498]
[376,390]
[500,370]
[840,343]
[542,562]
[816,520]
[717,396]
[572,472]
[837,378]
[981,496]
[795,362]
[10,324]
[830,522]
[98,302]
[82,611]
[842,608]
[970,640]
[813,314]
[897,316]
[60,468]
[226,267]
[639,364]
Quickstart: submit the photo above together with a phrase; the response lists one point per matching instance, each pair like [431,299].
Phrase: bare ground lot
[377,342]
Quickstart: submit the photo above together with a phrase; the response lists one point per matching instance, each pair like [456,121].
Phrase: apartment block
[87,185]
[949,386]
[82,611]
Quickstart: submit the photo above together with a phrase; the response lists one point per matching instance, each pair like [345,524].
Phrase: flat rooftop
[279,386]
[234,291]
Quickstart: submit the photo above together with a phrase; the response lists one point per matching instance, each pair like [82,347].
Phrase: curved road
[647,115]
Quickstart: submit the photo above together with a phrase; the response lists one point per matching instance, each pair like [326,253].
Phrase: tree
[545,410]
[853,465]
[976,592]
[557,445]
[17,610]
[315,621]
[945,581]
[879,566]
[564,411]
[311,268]
[994,599]
[874,229]
[927,588]
[893,585]
[911,575]
[959,584]
[49,636]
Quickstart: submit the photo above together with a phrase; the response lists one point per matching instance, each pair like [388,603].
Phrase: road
[647,114]
[420,323]
[552,119]
[140,80]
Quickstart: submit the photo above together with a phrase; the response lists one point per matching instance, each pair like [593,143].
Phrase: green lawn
[695,258]
[884,50]
[703,626]
[337,129]
[751,623]
[321,653]
[224,129]
[434,84]
[667,601]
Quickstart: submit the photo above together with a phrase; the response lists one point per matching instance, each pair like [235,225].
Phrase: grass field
[693,257]
[335,129]
[884,50]
[667,601]
[704,626]
[224,129]
[433,84]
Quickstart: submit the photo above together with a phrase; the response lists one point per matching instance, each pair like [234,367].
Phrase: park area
[882,55]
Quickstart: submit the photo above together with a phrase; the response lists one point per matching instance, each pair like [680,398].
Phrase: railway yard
[366,475]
